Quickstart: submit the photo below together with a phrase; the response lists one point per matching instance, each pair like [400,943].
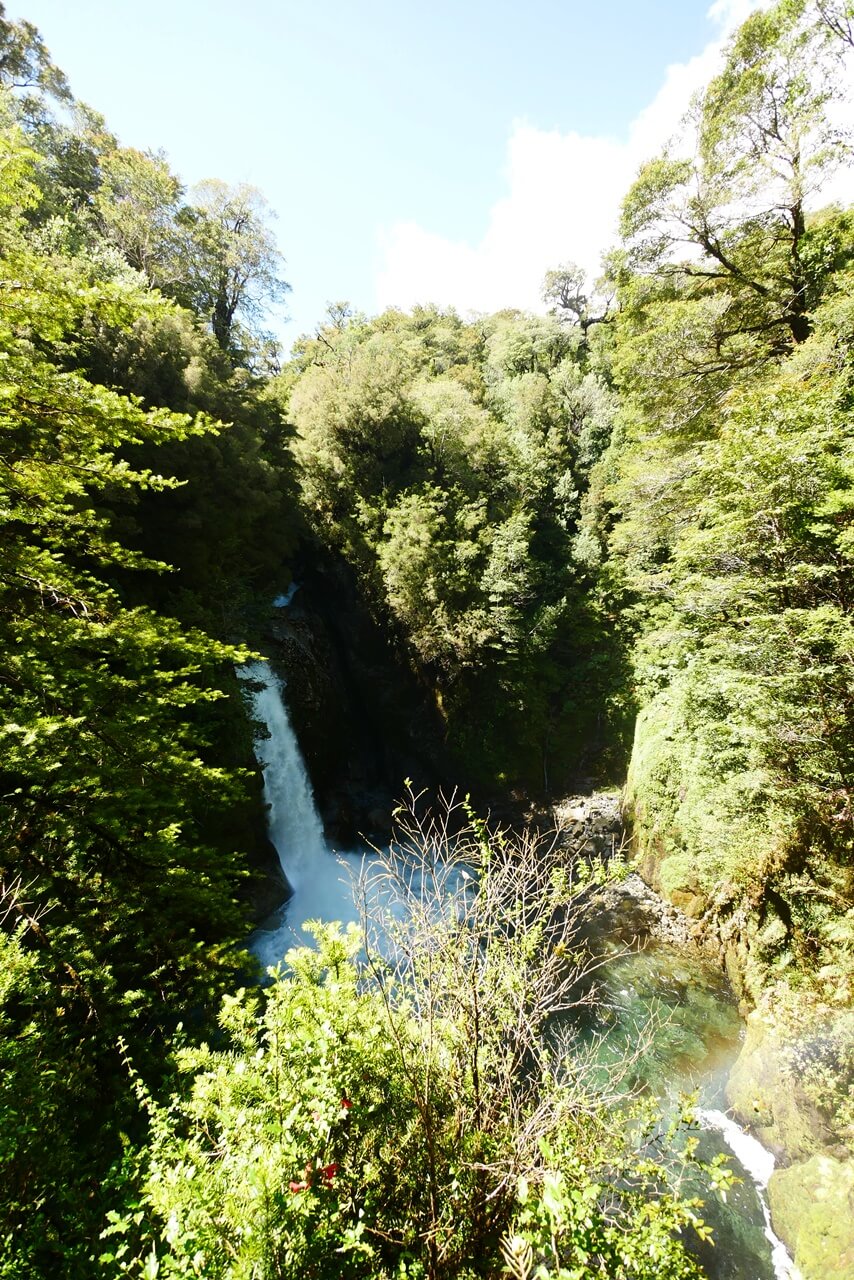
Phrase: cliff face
[711,854]
[363,721]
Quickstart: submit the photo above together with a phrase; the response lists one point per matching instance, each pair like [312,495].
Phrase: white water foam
[758,1164]
[283,600]
[321,881]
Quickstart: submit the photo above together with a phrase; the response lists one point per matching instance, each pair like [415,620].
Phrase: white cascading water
[758,1163]
[293,823]
[321,881]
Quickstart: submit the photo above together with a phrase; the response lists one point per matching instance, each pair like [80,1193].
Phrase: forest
[612,546]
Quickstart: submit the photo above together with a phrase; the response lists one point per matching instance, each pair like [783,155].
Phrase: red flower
[346,1104]
[329,1171]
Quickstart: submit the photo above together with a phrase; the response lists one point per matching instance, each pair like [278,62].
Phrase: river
[679,1003]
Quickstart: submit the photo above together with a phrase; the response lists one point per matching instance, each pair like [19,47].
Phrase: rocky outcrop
[591,823]
[363,721]
[267,887]
[812,1208]
[788,1086]
[591,826]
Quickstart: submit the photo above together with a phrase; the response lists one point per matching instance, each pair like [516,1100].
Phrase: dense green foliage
[413,1112]
[726,505]
[699,571]
[120,862]
[640,502]
[447,462]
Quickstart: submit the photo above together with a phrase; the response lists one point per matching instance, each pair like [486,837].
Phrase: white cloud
[562,202]
[563,189]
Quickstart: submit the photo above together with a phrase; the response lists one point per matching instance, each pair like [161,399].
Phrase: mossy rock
[764,1093]
[812,1210]
[672,876]
[735,958]
[689,901]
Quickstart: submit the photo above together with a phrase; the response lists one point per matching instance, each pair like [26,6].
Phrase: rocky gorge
[365,724]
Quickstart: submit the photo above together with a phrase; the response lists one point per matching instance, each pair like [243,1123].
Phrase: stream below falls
[678,1003]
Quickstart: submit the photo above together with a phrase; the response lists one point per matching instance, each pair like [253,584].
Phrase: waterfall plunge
[322,882]
[293,822]
[758,1164]
[323,889]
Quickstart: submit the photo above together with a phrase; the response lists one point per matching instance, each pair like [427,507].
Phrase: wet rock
[636,913]
[380,820]
[591,826]
[690,903]
[268,888]
[363,721]
[812,1210]
[735,957]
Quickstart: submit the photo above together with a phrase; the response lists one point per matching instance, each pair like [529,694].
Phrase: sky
[450,152]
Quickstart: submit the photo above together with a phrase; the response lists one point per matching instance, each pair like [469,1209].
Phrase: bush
[408,1098]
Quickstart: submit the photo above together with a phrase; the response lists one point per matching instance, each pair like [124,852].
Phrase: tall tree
[728,228]
[727,496]
[119,902]
[25,61]
[568,296]
[446,461]
[231,265]
[137,203]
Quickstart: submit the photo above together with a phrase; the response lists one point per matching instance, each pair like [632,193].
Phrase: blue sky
[444,151]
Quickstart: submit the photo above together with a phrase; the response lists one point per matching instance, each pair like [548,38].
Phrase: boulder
[689,901]
[812,1211]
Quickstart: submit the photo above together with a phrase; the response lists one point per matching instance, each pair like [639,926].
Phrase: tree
[838,15]
[447,462]
[565,289]
[728,497]
[728,230]
[25,61]
[118,901]
[431,558]
[358,430]
[137,203]
[520,344]
[756,647]
[231,264]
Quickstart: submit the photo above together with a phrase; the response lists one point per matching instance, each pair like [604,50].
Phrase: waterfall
[758,1163]
[321,881]
[293,823]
